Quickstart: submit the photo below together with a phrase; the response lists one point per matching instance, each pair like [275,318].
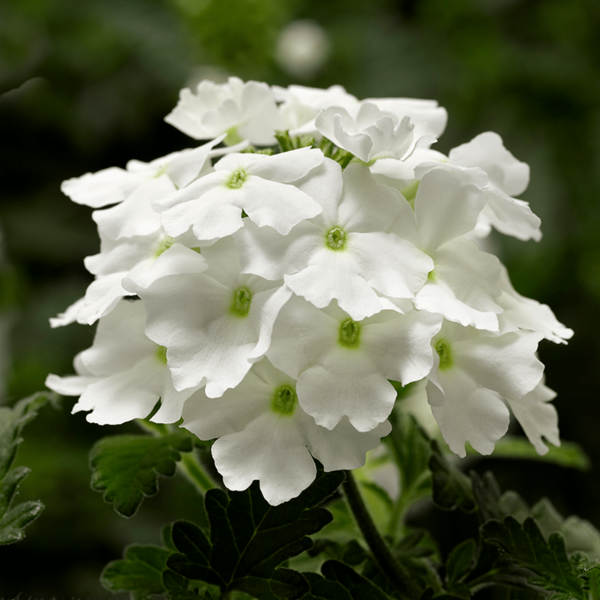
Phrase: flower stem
[190,467]
[389,565]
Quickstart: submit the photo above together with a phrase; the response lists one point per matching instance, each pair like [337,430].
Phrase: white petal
[537,417]
[469,414]
[128,395]
[301,335]
[175,260]
[445,208]
[335,274]
[505,364]
[270,450]
[400,345]
[437,297]
[343,447]
[389,264]
[73,385]
[346,383]
[135,216]
[108,186]
[285,167]
[511,216]
[525,313]
[488,152]
[271,255]
[274,204]
[366,205]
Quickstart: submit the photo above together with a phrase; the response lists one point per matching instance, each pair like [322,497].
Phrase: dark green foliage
[12,420]
[249,540]
[126,467]
[341,582]
[139,573]
[451,487]
[525,545]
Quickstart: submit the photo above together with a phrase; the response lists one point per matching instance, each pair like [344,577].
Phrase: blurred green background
[86,85]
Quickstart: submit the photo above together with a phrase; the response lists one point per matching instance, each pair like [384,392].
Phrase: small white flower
[344,253]
[265,435]
[243,111]
[215,323]
[474,371]
[371,134]
[343,366]
[261,186]
[123,375]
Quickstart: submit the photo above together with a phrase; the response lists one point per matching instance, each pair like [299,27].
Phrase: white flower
[344,253]
[114,185]
[123,375]
[371,134]
[474,371]
[243,111]
[300,105]
[215,323]
[265,435]
[343,366]
[464,284]
[260,185]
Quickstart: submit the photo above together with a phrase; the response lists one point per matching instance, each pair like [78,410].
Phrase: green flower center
[444,350]
[349,334]
[240,305]
[410,192]
[161,354]
[284,400]
[163,246]
[335,239]
[237,179]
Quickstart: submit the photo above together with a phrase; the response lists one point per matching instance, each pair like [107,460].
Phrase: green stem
[389,565]
[190,467]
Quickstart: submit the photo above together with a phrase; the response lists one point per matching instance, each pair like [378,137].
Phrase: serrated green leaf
[249,539]
[525,546]
[282,583]
[139,573]
[9,485]
[451,487]
[343,583]
[460,562]
[568,454]
[12,421]
[126,467]
[487,495]
[13,522]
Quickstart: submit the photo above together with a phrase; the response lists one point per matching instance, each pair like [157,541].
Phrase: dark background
[91,83]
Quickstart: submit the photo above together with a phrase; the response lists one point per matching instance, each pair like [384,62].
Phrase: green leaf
[412,450]
[12,421]
[13,522]
[341,582]
[249,539]
[139,573]
[525,546]
[126,467]
[568,454]
[460,562]
[451,487]
[487,496]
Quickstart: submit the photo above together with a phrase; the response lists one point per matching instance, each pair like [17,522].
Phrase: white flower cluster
[268,297]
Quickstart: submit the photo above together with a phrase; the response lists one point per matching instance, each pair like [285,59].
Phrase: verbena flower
[269,297]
